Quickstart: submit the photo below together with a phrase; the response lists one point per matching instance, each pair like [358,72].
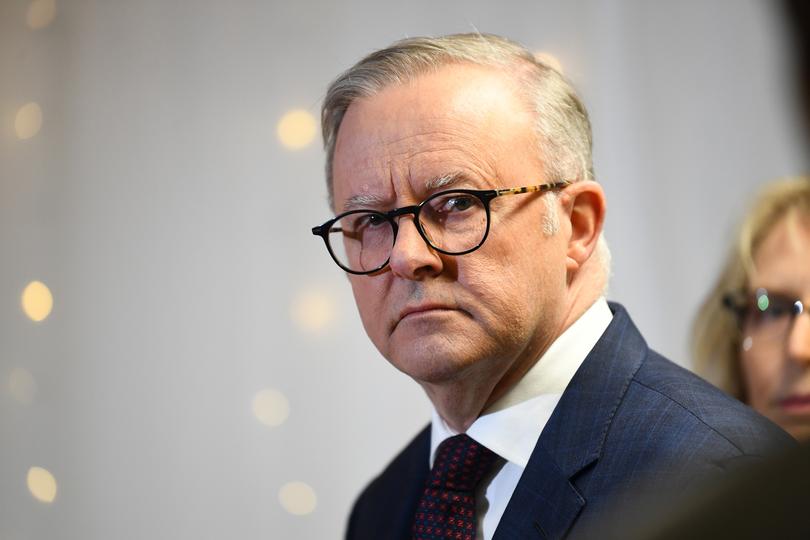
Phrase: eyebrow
[444,180]
[356,202]
[366,200]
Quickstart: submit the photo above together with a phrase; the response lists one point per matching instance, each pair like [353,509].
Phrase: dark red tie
[447,507]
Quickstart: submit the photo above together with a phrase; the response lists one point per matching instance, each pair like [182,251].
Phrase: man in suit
[470,226]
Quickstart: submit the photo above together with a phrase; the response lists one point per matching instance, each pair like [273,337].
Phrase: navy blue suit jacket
[628,418]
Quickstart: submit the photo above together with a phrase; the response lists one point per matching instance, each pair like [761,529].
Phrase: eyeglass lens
[451,222]
[770,316]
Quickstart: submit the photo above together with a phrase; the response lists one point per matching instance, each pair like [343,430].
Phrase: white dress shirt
[511,426]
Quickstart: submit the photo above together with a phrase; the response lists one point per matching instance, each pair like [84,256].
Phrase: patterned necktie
[447,507]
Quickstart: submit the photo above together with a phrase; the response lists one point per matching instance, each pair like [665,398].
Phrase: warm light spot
[271,407]
[297,498]
[550,60]
[41,484]
[297,129]
[21,385]
[41,13]
[28,121]
[37,301]
[313,311]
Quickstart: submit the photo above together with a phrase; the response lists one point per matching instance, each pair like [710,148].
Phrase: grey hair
[562,125]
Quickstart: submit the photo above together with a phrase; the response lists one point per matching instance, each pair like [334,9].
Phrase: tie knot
[460,464]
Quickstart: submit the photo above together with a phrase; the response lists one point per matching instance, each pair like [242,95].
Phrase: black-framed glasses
[453,222]
[767,314]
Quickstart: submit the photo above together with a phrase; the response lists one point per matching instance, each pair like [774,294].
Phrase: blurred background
[179,357]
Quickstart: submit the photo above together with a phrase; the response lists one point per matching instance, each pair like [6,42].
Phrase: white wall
[173,231]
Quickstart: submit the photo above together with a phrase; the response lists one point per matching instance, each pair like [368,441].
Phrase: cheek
[762,375]
[509,289]
[368,296]
[492,289]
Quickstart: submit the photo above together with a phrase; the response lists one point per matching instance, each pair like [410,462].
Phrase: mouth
[796,404]
[417,311]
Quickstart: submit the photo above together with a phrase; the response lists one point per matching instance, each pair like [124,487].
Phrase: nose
[411,257]
[799,339]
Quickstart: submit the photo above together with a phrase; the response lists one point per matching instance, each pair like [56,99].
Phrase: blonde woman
[752,335]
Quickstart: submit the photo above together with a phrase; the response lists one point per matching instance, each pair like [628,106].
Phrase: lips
[411,310]
[796,403]
[422,309]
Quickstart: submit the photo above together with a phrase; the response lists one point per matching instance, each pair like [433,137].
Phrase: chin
[433,363]
[800,432]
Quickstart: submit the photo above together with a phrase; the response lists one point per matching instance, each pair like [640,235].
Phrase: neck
[462,400]
[457,403]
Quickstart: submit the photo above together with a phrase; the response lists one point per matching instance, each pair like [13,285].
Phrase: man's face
[438,317]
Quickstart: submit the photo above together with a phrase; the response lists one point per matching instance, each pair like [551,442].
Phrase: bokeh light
[37,301]
[41,484]
[21,385]
[41,13]
[550,60]
[271,407]
[298,498]
[297,129]
[28,121]
[313,311]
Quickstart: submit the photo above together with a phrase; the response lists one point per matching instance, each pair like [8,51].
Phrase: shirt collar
[511,426]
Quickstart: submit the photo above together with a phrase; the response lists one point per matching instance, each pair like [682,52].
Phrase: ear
[584,204]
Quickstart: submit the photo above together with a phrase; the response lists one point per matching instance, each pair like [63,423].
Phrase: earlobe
[585,206]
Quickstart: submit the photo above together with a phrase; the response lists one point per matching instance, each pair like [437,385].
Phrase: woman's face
[775,353]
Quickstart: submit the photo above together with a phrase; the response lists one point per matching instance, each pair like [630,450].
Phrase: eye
[772,306]
[455,202]
[371,220]
[779,306]
[366,221]
[363,222]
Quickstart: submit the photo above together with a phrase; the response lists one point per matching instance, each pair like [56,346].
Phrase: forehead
[460,119]
[783,258]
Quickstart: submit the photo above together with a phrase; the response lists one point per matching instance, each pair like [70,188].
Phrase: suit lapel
[411,486]
[546,501]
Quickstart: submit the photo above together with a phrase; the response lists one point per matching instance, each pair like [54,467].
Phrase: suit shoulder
[412,458]
[666,385]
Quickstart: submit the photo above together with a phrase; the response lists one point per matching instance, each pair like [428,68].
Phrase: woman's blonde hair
[715,334]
